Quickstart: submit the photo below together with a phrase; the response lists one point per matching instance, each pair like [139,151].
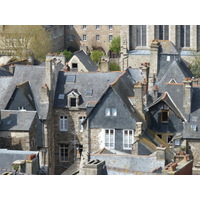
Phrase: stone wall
[77,32]
[66,137]
[194,146]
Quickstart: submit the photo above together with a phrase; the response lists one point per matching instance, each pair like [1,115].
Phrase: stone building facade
[90,37]
[136,41]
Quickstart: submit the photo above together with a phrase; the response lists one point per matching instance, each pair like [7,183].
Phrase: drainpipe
[123,61]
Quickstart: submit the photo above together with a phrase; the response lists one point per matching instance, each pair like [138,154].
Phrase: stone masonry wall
[66,137]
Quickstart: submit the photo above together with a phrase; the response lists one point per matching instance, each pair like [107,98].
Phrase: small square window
[194,127]
[165,116]
[74,67]
[110,27]
[84,27]
[97,27]
[88,93]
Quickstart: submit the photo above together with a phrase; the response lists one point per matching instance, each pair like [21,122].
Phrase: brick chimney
[104,64]
[138,130]
[187,95]
[49,73]
[154,63]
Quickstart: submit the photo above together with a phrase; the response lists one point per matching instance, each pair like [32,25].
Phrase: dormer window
[72,102]
[73,99]
[74,67]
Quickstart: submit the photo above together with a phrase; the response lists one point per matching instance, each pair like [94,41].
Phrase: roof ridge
[174,83]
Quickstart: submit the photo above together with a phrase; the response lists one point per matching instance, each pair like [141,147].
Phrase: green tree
[26,40]
[96,56]
[114,67]
[67,54]
[195,66]
[115,45]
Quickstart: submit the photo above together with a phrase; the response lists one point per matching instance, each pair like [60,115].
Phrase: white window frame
[80,120]
[84,27]
[110,40]
[114,112]
[109,146]
[63,123]
[65,148]
[84,37]
[129,144]
[107,112]
[97,37]
[97,27]
[110,27]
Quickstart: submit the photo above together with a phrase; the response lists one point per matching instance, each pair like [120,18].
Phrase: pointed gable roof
[167,47]
[168,100]
[86,60]
[26,91]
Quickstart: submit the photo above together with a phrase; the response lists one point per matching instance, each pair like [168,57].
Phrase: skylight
[70,78]
[61,96]
[88,92]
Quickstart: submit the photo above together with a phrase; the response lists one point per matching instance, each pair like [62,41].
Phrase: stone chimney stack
[187,95]
[138,94]
[160,153]
[154,63]
[49,73]
[104,64]
[44,94]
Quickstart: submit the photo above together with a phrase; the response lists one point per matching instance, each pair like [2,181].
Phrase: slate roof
[16,120]
[167,47]
[128,164]
[123,87]
[98,82]
[35,75]
[5,73]
[135,73]
[86,60]
[7,157]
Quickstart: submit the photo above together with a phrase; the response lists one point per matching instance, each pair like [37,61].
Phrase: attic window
[194,127]
[70,78]
[74,67]
[172,81]
[88,93]
[165,116]
[61,96]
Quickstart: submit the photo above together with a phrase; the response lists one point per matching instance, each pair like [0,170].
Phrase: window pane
[114,112]
[107,112]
